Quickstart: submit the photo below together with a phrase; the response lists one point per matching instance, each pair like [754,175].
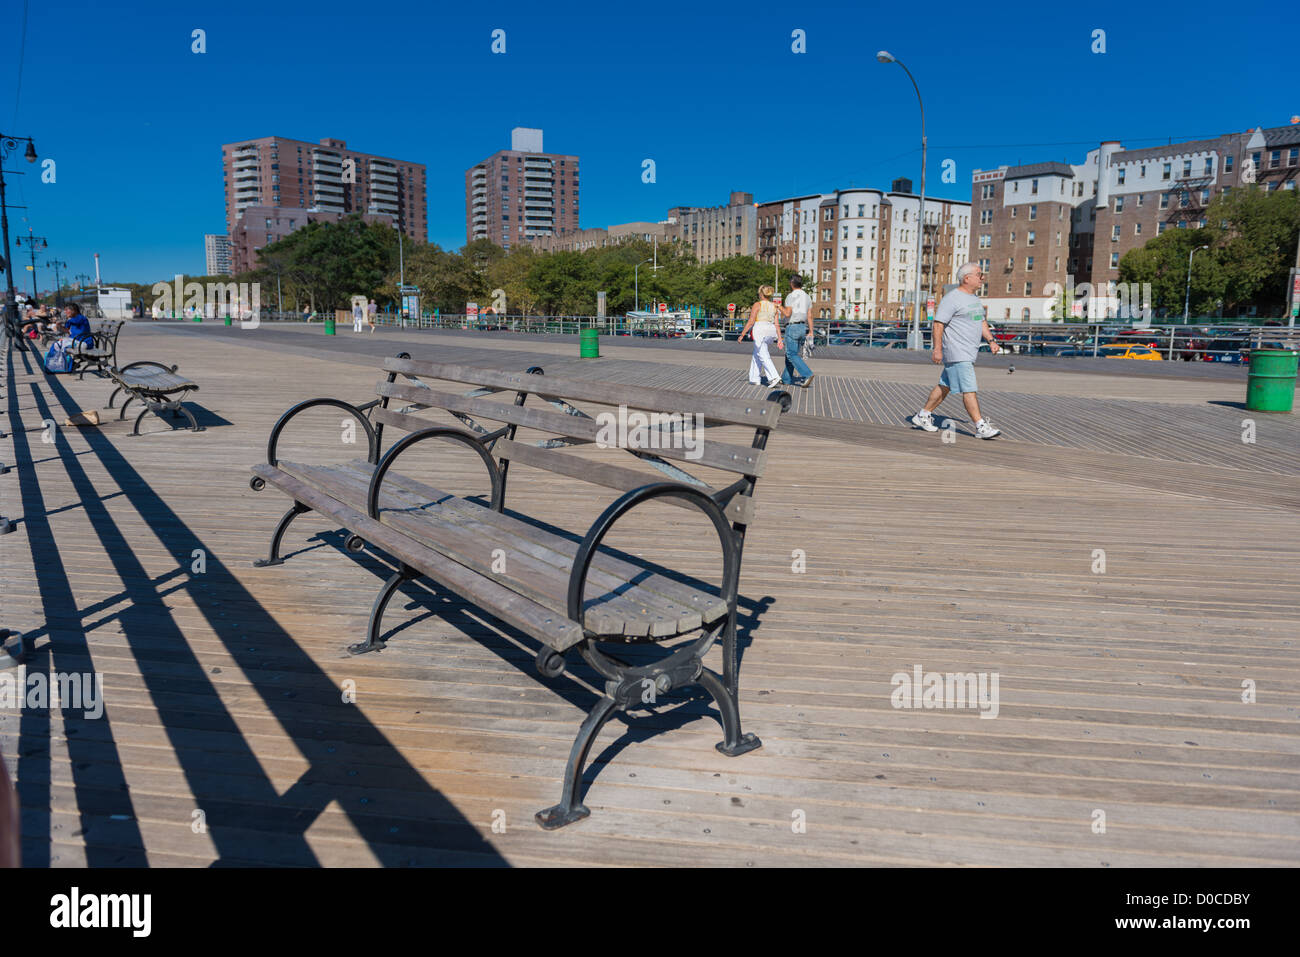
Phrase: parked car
[708,335]
[1122,351]
[1225,350]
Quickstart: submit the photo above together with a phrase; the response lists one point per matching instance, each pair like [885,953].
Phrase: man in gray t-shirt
[959,325]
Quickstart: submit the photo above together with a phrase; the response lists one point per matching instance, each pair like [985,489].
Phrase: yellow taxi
[1122,351]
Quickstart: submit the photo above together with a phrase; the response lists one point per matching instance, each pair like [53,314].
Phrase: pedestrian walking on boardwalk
[372,311]
[798,329]
[959,325]
[765,321]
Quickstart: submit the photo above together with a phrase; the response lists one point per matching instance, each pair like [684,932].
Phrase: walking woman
[765,321]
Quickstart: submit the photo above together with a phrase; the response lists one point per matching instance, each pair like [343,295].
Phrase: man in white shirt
[797,329]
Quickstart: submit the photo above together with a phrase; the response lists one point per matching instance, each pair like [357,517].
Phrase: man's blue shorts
[959,376]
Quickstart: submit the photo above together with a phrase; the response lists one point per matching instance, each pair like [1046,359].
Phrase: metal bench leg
[570,808]
[113,397]
[733,743]
[274,557]
[372,643]
[131,397]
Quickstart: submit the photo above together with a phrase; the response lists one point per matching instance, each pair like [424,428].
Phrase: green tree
[1252,238]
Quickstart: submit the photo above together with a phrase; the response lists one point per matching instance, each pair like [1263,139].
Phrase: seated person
[77,327]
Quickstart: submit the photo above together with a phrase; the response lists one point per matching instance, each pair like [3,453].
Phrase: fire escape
[1185,204]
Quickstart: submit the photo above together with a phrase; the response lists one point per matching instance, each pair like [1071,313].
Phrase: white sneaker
[986,431]
[924,420]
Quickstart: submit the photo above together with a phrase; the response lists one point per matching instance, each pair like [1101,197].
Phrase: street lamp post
[33,242]
[8,144]
[636,279]
[914,334]
[1187,298]
[55,264]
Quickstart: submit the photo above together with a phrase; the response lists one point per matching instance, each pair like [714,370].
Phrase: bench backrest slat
[720,455]
[759,413]
[739,509]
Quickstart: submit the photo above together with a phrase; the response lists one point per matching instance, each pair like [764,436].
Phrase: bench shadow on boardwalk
[247,819]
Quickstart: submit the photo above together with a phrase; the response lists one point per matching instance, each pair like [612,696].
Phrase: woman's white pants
[764,337]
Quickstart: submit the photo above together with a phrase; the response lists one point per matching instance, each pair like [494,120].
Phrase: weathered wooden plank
[718,455]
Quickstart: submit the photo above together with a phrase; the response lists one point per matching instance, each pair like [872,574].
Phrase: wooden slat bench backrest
[573,427]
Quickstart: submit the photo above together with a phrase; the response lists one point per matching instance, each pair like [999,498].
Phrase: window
[1033,211]
[1209,166]
[1029,289]
[1013,239]
[861,231]
[1008,293]
[844,252]
[1119,204]
[859,254]
[1137,229]
[1120,176]
[846,210]
[844,274]
[1033,187]
[1187,168]
[1164,200]
[1183,199]
[1160,228]
[1139,200]
[1013,212]
[1142,170]
[1205,196]
[862,210]
[1254,158]
[1030,237]
[826,253]
[1165,174]
[986,192]
[1293,156]
[985,241]
[1274,159]
[1114,260]
[1114,233]
[1029,264]
[1227,163]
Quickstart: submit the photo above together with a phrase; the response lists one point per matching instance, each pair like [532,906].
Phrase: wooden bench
[155,385]
[100,356]
[566,594]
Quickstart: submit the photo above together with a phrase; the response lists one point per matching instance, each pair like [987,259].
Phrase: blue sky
[711,92]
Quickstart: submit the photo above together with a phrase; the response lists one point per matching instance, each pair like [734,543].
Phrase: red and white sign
[663,307]
[856,308]
[471,309]
[731,307]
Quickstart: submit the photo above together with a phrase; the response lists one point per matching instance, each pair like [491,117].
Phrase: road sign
[663,307]
[731,307]
[600,304]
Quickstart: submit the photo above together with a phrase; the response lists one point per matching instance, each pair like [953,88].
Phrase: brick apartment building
[1055,222]
[717,232]
[856,248]
[324,177]
[522,193]
[577,240]
[216,254]
[260,225]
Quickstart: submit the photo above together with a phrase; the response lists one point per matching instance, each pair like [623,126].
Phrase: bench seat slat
[558,549]
[720,455]
[755,412]
[453,526]
[557,631]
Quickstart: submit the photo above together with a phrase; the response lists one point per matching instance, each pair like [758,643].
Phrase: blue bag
[58,358]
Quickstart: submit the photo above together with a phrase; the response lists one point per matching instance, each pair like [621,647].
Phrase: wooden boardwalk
[225,737]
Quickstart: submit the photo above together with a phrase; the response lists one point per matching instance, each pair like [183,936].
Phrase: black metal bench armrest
[587,550]
[371,456]
[114,370]
[460,435]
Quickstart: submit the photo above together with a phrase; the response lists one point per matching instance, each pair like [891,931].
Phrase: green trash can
[589,345]
[329,325]
[1271,384]
[227,320]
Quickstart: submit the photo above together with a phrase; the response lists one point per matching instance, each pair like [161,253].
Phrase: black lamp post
[7,145]
[56,265]
[33,243]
